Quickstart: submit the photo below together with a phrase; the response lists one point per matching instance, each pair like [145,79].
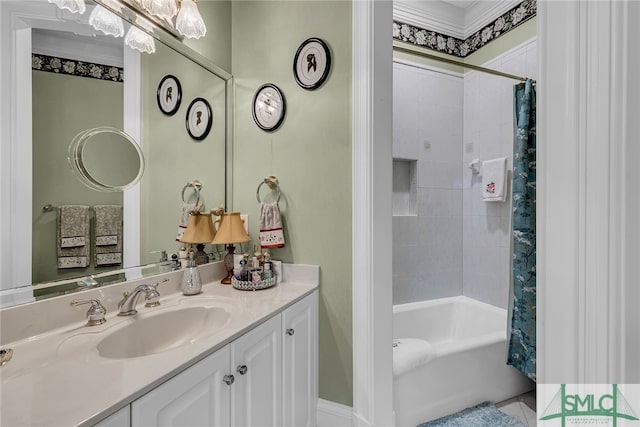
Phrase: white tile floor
[522,408]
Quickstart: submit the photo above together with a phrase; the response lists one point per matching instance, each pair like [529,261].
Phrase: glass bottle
[191,282]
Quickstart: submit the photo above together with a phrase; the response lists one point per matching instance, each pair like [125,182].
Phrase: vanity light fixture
[75,6]
[106,21]
[139,40]
[188,21]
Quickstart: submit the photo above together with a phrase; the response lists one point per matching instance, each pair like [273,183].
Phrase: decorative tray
[252,286]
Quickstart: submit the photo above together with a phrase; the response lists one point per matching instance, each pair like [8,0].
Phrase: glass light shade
[165,9]
[139,40]
[75,6]
[189,23]
[106,21]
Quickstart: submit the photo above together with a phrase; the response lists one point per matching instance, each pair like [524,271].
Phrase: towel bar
[272,182]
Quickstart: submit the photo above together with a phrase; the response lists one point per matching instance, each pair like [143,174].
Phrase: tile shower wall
[488,133]
[427,132]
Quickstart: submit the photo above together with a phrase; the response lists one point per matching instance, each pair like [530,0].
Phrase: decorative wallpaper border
[53,64]
[461,48]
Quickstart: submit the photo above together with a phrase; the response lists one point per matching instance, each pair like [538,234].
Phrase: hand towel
[108,234]
[185,211]
[409,353]
[271,232]
[494,180]
[72,235]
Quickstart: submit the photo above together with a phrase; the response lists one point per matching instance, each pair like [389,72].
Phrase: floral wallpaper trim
[72,67]
[462,48]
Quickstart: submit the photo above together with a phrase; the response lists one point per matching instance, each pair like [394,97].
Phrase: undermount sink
[162,331]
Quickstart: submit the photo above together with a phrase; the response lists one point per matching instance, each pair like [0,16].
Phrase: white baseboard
[331,414]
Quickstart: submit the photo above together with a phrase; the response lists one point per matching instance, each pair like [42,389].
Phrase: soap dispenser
[191,282]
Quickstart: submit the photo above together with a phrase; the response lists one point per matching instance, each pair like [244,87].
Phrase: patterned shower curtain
[522,342]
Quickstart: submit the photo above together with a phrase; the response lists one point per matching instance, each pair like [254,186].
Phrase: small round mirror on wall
[106,159]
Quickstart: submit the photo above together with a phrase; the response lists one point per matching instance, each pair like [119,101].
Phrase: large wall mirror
[60,77]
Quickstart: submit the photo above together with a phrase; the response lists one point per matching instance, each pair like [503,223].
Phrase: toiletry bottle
[165,265]
[191,283]
[244,273]
[182,256]
[256,271]
[266,271]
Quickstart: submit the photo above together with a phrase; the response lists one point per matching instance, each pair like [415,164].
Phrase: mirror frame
[15,128]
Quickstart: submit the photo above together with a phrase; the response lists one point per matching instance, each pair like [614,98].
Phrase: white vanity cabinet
[266,377]
[122,418]
[300,363]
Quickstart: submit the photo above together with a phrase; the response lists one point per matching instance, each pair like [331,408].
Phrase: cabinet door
[197,396]
[300,362]
[256,361]
[122,418]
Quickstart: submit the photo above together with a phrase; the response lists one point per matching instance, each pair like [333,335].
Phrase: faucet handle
[152,296]
[95,314]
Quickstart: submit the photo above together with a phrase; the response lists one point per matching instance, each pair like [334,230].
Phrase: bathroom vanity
[221,358]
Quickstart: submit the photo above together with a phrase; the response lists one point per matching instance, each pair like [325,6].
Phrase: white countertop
[57,377]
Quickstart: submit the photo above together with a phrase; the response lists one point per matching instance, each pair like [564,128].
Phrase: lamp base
[199,256]
[228,263]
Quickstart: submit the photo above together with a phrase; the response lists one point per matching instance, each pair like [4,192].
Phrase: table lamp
[199,231]
[230,231]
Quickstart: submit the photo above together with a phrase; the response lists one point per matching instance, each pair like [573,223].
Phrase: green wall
[216,44]
[64,105]
[310,154]
[173,157]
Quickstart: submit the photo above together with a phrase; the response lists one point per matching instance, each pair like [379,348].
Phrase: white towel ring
[272,182]
[196,185]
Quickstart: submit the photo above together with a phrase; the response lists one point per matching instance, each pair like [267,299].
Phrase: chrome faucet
[128,304]
[96,313]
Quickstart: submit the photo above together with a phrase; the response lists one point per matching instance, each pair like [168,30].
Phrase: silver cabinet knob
[242,369]
[228,379]
[290,331]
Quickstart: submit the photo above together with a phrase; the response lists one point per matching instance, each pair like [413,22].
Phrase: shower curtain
[522,341]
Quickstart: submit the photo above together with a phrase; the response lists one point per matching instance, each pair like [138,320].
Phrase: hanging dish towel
[271,232]
[494,180]
[186,210]
[108,231]
[72,235]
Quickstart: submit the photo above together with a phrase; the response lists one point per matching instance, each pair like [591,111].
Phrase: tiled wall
[488,133]
[454,243]
[427,129]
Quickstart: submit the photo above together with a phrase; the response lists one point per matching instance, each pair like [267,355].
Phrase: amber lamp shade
[199,231]
[230,231]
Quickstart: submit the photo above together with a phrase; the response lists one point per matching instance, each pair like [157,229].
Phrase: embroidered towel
[185,211]
[271,232]
[108,233]
[72,235]
[494,180]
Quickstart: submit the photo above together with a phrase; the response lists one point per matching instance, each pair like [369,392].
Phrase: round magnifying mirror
[106,159]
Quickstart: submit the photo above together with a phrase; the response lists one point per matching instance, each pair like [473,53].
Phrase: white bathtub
[463,361]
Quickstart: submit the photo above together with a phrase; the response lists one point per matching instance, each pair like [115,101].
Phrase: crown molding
[448,19]
[437,16]
[482,13]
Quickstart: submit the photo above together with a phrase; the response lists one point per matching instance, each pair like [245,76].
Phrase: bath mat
[483,415]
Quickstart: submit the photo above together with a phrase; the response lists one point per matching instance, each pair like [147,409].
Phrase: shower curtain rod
[399,48]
